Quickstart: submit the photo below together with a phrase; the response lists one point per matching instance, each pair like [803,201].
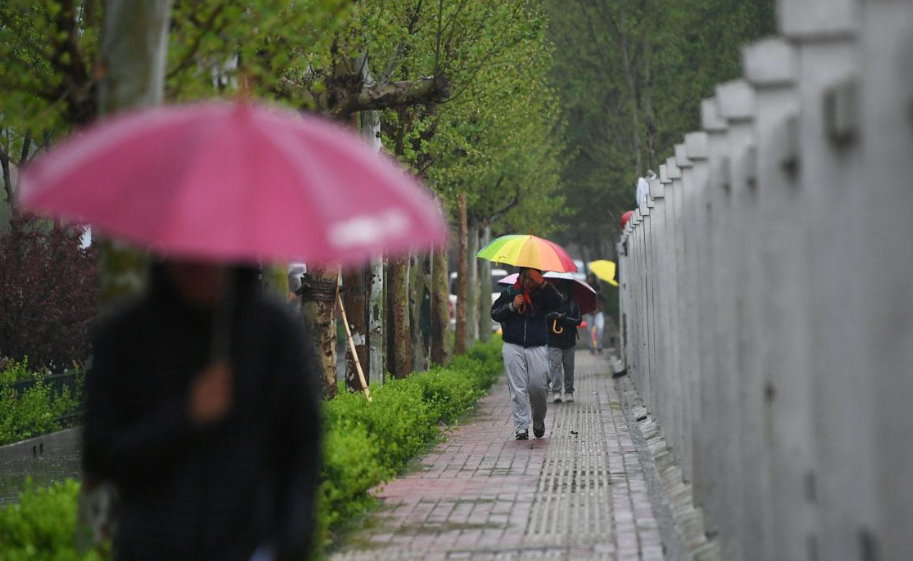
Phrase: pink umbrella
[581,292]
[235,182]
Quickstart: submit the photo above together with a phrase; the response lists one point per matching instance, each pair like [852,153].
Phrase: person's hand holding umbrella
[211,394]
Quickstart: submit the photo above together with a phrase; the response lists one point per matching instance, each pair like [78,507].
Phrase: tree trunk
[133,55]
[7,180]
[401,361]
[7,209]
[648,103]
[377,321]
[354,293]
[419,305]
[631,81]
[487,288]
[440,307]
[462,275]
[472,283]
[318,305]
[369,129]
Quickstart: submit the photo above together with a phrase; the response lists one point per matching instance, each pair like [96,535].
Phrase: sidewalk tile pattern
[578,493]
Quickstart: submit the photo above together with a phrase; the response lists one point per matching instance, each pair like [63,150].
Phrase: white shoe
[557,398]
[569,398]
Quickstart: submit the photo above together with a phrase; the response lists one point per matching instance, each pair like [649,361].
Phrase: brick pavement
[578,493]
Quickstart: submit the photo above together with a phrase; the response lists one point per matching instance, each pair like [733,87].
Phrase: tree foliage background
[630,75]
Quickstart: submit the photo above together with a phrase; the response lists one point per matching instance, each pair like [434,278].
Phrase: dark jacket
[529,329]
[205,494]
[567,317]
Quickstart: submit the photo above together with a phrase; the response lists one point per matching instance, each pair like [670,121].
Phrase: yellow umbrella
[605,270]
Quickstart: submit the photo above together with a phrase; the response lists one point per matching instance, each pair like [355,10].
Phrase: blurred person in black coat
[215,453]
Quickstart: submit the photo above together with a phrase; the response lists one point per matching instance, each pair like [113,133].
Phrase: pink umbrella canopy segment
[235,182]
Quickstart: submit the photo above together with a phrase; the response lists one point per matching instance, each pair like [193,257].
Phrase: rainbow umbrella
[528,251]
[605,270]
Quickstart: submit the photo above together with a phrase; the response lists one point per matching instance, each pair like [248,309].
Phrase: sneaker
[569,398]
[539,430]
[523,435]
[557,398]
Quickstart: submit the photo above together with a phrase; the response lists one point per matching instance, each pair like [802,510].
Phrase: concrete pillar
[643,348]
[771,66]
[647,331]
[722,497]
[688,342]
[639,300]
[737,106]
[887,261]
[674,380]
[659,317]
[831,178]
[619,271]
[627,293]
[697,217]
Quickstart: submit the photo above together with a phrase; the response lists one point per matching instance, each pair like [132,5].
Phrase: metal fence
[70,381]
[767,292]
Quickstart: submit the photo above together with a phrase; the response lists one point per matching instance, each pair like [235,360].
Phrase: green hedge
[42,526]
[368,444]
[28,404]
[365,445]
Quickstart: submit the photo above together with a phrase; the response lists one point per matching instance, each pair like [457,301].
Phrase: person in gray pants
[521,310]
[562,338]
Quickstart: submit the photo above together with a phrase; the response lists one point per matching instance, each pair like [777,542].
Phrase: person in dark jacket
[521,310]
[215,455]
[562,338]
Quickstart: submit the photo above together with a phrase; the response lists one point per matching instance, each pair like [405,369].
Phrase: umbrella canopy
[581,292]
[528,251]
[626,217]
[605,270]
[234,182]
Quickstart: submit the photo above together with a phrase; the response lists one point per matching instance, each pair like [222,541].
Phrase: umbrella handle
[558,330]
[220,343]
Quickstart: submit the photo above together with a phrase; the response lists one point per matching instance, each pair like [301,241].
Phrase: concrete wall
[767,292]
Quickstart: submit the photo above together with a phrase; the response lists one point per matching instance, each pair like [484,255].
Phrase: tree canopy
[630,75]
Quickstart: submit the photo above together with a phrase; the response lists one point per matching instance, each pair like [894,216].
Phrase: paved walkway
[578,493]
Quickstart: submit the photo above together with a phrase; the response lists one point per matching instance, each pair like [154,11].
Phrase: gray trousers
[561,369]
[527,378]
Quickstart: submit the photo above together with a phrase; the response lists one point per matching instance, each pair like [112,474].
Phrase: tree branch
[187,60]
[398,94]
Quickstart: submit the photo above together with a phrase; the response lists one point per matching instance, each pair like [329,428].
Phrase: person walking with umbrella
[562,338]
[522,310]
[203,405]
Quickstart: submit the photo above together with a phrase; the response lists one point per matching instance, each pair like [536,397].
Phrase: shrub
[12,371]
[42,526]
[350,469]
[29,406]
[48,288]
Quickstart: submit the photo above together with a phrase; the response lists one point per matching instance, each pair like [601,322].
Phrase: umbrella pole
[361,373]
[220,348]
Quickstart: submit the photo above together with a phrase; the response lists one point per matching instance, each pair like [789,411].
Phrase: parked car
[496,275]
